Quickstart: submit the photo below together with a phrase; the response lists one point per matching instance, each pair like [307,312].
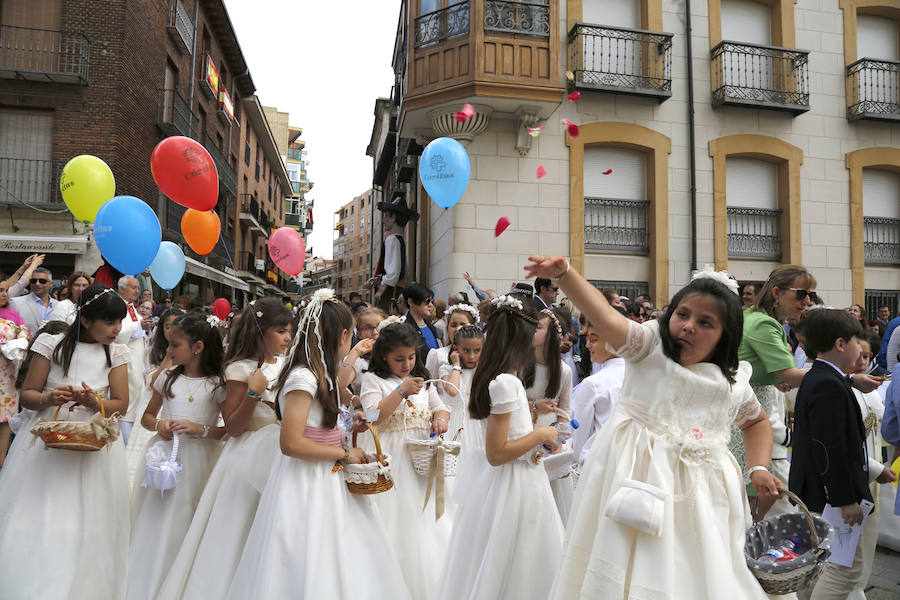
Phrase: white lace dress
[213,544]
[161,518]
[507,537]
[670,429]
[64,515]
[418,541]
[311,537]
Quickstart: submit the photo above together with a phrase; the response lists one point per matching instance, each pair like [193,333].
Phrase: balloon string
[234,268]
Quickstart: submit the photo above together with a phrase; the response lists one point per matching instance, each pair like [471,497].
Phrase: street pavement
[884,584]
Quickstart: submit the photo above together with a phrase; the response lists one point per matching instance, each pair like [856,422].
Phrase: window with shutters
[28,175]
[615,208]
[753,215]
[881,216]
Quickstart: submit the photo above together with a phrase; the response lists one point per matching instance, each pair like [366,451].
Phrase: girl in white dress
[665,449]
[311,538]
[189,395]
[548,384]
[457,315]
[507,539]
[213,544]
[64,514]
[394,385]
[465,353]
[356,361]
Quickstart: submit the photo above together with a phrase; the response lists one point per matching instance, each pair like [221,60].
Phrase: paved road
[885,581]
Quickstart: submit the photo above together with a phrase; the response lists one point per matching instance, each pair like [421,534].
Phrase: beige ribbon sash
[436,477]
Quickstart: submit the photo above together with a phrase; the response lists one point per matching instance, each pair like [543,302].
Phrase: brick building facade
[352,246]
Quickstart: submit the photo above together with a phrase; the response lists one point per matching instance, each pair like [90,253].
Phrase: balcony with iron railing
[295,153]
[26,182]
[881,241]
[227,177]
[754,233]
[44,55]
[755,76]
[175,116]
[624,61]
[874,88]
[181,28]
[251,215]
[616,226]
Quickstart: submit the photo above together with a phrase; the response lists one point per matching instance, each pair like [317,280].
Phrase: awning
[198,268]
[43,244]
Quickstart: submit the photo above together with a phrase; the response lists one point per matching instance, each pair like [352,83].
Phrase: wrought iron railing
[618,226]
[180,27]
[754,233]
[874,89]
[175,116]
[760,76]
[227,178]
[881,240]
[875,299]
[61,56]
[629,289]
[525,18]
[630,61]
[443,24]
[30,182]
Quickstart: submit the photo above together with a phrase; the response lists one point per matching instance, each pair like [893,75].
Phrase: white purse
[639,505]
[162,471]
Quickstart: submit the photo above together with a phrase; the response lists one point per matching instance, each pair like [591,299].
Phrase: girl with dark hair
[659,483]
[457,316]
[213,544]
[306,509]
[548,385]
[63,508]
[394,385]
[186,402]
[70,292]
[507,539]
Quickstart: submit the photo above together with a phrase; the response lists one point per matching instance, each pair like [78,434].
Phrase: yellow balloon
[86,183]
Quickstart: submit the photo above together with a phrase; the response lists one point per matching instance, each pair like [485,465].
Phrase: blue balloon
[167,268]
[444,170]
[127,233]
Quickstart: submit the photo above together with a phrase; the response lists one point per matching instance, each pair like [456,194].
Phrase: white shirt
[64,311]
[391,262]
[593,403]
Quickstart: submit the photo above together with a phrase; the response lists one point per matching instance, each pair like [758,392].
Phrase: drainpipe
[691,133]
[193,66]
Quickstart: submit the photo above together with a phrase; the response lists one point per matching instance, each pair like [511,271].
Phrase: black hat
[522,288]
[398,206]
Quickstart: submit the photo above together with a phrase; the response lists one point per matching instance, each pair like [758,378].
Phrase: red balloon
[287,249]
[221,308]
[185,172]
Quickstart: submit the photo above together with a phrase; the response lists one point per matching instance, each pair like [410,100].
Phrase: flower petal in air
[534,131]
[465,114]
[607,172]
[541,171]
[571,127]
[500,227]
[574,96]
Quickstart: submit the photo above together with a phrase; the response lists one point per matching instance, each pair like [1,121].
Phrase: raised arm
[612,325]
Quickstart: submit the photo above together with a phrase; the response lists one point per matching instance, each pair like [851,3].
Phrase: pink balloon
[287,250]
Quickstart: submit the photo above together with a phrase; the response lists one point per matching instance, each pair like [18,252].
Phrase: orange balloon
[200,229]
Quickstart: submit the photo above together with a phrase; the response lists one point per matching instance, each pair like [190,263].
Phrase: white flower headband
[388,321]
[721,276]
[213,320]
[99,294]
[507,301]
[549,313]
[311,314]
[465,308]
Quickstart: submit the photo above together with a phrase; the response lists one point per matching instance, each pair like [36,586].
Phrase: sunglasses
[555,289]
[38,280]
[428,300]
[801,294]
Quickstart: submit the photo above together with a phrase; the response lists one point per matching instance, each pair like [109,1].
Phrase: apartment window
[752,207]
[201,122]
[247,153]
[881,216]
[26,169]
[615,208]
[875,77]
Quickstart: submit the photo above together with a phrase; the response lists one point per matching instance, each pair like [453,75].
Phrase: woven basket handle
[378,453]
[809,519]
[99,398]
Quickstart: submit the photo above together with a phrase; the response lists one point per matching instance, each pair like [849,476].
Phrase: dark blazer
[828,460]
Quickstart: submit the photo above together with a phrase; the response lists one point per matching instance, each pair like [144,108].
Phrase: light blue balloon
[127,233]
[444,170]
[167,268]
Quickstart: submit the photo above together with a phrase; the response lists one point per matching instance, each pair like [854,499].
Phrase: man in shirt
[597,395]
[35,307]
[884,315]
[748,294]
[545,294]
[132,335]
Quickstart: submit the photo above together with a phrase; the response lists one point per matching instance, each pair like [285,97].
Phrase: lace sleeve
[749,408]
[640,341]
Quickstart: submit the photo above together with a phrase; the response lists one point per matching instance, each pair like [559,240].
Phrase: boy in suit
[829,462]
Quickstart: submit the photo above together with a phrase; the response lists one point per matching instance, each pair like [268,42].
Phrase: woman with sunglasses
[71,290]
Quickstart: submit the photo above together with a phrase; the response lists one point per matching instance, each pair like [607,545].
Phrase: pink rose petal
[541,171]
[574,96]
[534,131]
[500,227]
[465,114]
[571,127]
[607,172]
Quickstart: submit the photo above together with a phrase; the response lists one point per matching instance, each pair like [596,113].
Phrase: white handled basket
[163,474]
[421,452]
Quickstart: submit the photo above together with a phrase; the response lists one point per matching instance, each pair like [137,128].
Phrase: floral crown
[311,313]
[388,321]
[99,295]
[512,305]
[721,276]
[552,315]
[464,308]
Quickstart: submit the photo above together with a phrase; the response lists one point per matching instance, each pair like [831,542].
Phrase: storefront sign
[260,264]
[43,245]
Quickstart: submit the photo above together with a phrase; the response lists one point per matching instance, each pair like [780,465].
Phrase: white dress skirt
[468,432]
[311,537]
[507,537]
[161,518]
[64,515]
[213,544]
[138,437]
[418,541]
[669,430]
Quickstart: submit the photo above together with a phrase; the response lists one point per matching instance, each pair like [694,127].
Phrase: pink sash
[331,437]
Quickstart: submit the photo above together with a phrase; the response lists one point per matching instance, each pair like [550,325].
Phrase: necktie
[132,313]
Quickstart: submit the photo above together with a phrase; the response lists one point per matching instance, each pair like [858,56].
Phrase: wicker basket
[421,452]
[372,477]
[82,436]
[799,573]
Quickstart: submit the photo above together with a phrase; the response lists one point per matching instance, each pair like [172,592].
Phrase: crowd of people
[602,447]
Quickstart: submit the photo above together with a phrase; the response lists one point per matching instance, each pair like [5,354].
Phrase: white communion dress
[161,518]
[311,537]
[507,537]
[671,430]
[64,515]
[468,432]
[213,544]
[418,541]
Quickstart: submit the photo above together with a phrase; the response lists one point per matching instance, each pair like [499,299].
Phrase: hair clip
[259,313]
